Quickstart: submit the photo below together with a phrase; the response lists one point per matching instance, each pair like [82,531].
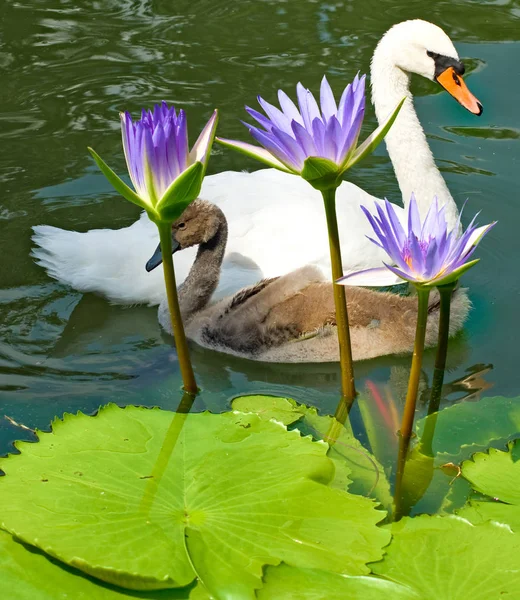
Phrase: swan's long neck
[409,151]
[203,278]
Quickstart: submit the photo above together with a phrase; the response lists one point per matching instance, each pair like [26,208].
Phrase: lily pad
[150,499]
[281,409]
[479,512]
[28,574]
[449,558]
[467,427]
[356,468]
[496,474]
[288,583]
[366,472]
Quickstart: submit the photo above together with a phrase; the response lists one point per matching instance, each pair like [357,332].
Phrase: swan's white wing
[276,224]
[110,262]
[278,221]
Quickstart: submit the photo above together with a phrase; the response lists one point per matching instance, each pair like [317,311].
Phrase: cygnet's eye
[181,226]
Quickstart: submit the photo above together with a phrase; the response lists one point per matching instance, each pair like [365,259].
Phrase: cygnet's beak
[454,85]
[156,259]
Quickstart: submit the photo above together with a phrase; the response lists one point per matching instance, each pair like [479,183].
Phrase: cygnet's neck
[406,143]
[204,275]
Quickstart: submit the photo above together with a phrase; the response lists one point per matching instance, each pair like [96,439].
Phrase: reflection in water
[414,469]
[167,448]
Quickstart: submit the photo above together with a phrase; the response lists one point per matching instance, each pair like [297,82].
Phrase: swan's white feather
[276,224]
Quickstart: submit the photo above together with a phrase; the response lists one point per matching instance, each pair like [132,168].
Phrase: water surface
[68,68]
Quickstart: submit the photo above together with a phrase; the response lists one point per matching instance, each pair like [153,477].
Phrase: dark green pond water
[68,67]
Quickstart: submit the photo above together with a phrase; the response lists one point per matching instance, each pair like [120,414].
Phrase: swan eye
[181,226]
[433,55]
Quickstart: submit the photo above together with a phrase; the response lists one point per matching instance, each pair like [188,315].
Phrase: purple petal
[416,256]
[260,118]
[359,98]
[328,104]
[161,178]
[346,104]
[291,147]
[276,115]
[202,147]
[289,108]
[318,135]
[270,143]
[332,137]
[182,141]
[375,277]
[385,234]
[351,135]
[308,106]
[304,138]
[406,275]
[432,262]
[475,238]
[414,219]
[397,228]
[149,164]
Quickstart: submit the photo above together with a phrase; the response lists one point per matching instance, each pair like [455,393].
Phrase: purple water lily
[294,134]
[425,254]
[319,144]
[162,168]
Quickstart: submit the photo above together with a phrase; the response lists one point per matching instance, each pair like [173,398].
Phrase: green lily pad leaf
[449,558]
[465,428]
[285,410]
[479,512]
[366,472]
[496,473]
[288,583]
[456,496]
[29,575]
[321,173]
[356,468]
[181,193]
[150,499]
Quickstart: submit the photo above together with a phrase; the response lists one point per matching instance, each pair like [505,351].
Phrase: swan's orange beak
[454,85]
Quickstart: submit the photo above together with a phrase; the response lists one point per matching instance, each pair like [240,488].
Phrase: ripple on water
[489,133]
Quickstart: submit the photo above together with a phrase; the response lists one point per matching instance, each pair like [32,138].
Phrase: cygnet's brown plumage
[289,318]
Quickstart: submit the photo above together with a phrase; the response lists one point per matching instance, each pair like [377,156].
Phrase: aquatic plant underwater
[270,499]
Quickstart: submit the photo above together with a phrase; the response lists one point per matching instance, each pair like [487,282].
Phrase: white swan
[270,213]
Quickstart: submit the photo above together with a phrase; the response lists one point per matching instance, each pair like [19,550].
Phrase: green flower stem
[413,383]
[446,292]
[188,378]
[345,351]
[404,444]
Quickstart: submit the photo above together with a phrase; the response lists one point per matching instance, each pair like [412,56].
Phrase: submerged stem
[446,292]
[413,383]
[404,444]
[188,378]
[348,389]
